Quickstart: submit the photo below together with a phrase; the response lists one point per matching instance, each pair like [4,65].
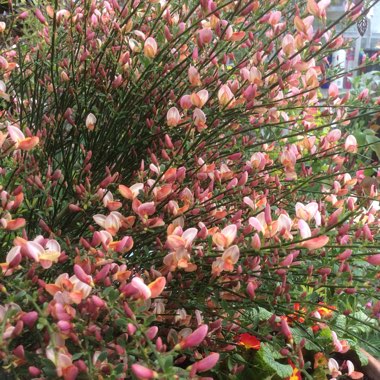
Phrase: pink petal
[374,259]
[304,229]
[144,290]
[15,134]
[254,222]
[315,243]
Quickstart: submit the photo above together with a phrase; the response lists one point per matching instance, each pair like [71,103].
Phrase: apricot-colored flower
[45,252]
[63,362]
[225,95]
[173,117]
[68,290]
[90,121]
[227,261]
[351,144]
[150,47]
[22,142]
[226,237]
[110,223]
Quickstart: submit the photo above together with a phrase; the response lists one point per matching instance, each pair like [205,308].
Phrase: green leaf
[119,369]
[102,356]
[375,144]
[326,333]
[299,334]
[269,357]
[264,314]
[341,322]
[77,356]
[362,357]
[360,138]
[121,322]
[167,363]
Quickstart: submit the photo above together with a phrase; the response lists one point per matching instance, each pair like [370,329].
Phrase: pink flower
[90,121]
[143,290]
[351,144]
[308,212]
[199,119]
[82,275]
[259,223]
[355,375]
[185,102]
[253,75]
[143,373]
[285,330]
[318,10]
[63,362]
[68,290]
[150,47]
[225,95]
[339,345]
[131,192]
[315,243]
[205,364]
[374,259]
[12,261]
[288,45]
[40,17]
[227,261]
[157,286]
[110,223]
[199,99]
[173,117]
[333,90]
[334,368]
[152,332]
[180,244]
[194,76]
[304,229]
[44,252]
[22,142]
[226,237]
[175,241]
[194,339]
[205,36]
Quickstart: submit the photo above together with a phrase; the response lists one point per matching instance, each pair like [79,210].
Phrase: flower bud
[194,339]
[143,373]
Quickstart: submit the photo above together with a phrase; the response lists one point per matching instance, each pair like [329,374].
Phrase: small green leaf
[121,322]
[264,314]
[341,322]
[167,363]
[375,144]
[269,356]
[362,357]
[77,356]
[102,356]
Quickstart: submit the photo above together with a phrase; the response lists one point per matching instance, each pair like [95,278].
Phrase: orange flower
[320,360]
[326,311]
[296,375]
[248,341]
[297,315]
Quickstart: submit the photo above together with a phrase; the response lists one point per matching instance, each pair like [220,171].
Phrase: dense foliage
[178,195]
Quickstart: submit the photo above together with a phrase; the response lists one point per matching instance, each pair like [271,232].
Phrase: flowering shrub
[178,198]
